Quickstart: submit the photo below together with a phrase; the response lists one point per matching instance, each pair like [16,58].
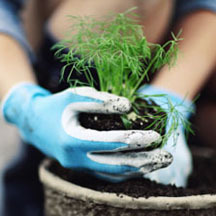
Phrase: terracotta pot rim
[123,201]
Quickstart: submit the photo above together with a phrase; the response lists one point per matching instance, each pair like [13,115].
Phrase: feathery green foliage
[118,49]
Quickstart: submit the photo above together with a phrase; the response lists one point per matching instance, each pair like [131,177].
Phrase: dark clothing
[22,191]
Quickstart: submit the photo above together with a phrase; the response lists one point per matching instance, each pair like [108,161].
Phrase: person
[48,120]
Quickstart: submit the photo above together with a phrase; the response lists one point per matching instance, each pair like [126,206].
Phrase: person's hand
[50,123]
[180,169]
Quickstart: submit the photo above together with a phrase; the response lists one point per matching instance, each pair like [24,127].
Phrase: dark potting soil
[202,181]
[59,204]
[103,122]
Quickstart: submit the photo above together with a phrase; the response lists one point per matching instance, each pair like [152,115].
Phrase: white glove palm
[180,169]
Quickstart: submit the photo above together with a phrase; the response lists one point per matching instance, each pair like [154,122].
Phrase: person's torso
[154,15]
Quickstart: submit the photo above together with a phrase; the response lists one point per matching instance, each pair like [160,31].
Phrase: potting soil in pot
[202,181]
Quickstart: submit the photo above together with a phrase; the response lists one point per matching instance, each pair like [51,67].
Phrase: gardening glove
[50,123]
[177,173]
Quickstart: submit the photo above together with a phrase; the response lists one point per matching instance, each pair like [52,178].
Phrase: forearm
[197,56]
[14,64]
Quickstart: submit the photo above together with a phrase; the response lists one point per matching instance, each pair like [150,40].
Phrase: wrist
[15,104]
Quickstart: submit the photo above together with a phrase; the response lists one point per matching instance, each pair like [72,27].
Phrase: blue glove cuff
[164,98]
[17,101]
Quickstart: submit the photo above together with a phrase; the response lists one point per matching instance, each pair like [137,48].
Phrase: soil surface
[103,122]
[62,205]
[202,181]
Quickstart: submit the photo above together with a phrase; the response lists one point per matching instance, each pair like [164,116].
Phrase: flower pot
[63,198]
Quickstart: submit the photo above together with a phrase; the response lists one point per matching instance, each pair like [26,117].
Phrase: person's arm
[15,66]
[50,121]
[197,56]
[15,51]
[181,83]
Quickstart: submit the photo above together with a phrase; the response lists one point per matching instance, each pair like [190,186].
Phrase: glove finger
[132,138]
[145,161]
[116,178]
[97,102]
[107,168]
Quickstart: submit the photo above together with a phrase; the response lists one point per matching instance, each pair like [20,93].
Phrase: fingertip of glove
[117,105]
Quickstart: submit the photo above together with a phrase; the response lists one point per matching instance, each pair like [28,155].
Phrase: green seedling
[117,47]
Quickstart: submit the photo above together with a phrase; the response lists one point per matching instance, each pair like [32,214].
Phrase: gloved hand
[181,167]
[50,123]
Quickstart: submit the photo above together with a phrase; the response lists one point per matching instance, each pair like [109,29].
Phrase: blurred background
[8,142]
[33,22]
